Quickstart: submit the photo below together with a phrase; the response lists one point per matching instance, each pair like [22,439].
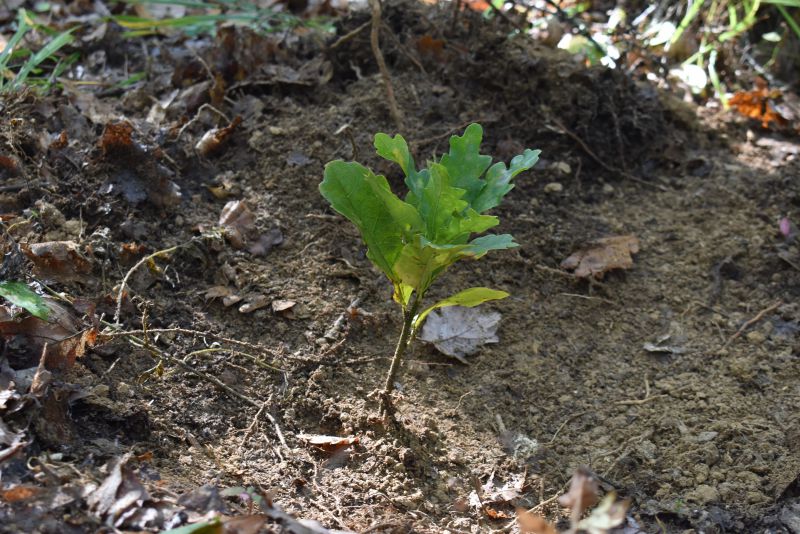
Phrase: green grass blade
[22,29]
[789,19]
[46,52]
[688,18]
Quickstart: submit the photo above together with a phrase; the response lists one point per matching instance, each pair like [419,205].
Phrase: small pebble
[756,336]
[553,187]
[124,390]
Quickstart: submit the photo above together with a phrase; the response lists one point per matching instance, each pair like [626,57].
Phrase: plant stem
[399,351]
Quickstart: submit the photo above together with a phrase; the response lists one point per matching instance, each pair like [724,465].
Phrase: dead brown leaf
[533,524]
[22,492]
[238,222]
[59,260]
[582,492]
[600,256]
[329,444]
[758,104]
[214,139]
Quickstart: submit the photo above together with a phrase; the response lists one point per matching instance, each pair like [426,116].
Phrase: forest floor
[677,381]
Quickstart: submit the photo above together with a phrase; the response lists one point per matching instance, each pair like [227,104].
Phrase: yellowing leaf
[468,298]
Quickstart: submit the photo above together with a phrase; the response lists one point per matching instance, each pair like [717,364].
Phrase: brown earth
[701,434]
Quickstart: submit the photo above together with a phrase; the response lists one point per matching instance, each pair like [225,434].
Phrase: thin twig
[349,35]
[197,116]
[587,297]
[141,262]
[374,42]
[752,321]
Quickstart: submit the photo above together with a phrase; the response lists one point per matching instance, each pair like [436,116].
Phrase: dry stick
[394,111]
[599,161]
[133,269]
[346,37]
[752,321]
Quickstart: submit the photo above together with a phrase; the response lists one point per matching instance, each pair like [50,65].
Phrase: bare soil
[701,435]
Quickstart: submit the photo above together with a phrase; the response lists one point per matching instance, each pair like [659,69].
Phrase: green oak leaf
[469,298]
[465,163]
[396,149]
[498,180]
[19,294]
[385,221]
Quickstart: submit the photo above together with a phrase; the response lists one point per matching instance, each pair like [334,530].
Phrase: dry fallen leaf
[282,306]
[533,524]
[757,104]
[458,331]
[238,222]
[59,260]
[598,257]
[609,514]
[327,443]
[582,492]
[214,139]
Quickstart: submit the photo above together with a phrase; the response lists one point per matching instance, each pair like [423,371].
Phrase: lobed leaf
[498,180]
[415,240]
[385,221]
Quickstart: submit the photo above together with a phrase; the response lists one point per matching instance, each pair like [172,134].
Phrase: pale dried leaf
[533,524]
[459,332]
[602,255]
[582,492]
[609,514]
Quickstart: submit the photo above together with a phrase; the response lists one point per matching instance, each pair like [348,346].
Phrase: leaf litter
[459,331]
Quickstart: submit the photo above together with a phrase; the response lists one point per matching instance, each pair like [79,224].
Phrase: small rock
[562,167]
[703,437]
[275,130]
[608,189]
[756,337]
[553,187]
[703,494]
[124,390]
[73,228]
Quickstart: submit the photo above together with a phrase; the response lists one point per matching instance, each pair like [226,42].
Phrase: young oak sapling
[413,241]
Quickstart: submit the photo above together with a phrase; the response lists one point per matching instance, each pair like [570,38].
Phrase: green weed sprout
[413,241]
[14,80]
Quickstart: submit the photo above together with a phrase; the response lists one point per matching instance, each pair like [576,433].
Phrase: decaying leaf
[533,524]
[458,331]
[582,492]
[214,139]
[254,303]
[600,256]
[59,260]
[66,340]
[23,492]
[283,306]
[266,242]
[609,514]
[758,104]
[328,444]
[238,221]
[122,499]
